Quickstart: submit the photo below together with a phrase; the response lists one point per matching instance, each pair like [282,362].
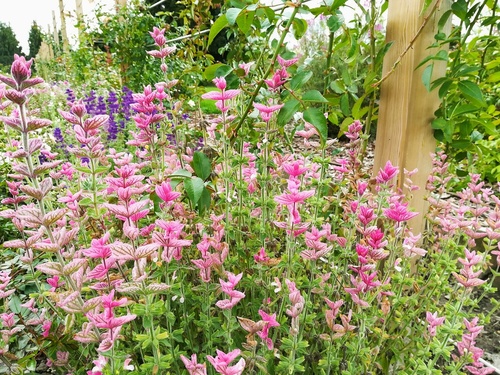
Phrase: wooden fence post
[64,32]
[404,133]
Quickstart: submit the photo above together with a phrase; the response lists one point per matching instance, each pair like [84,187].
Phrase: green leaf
[472,92]
[357,112]
[427,76]
[299,27]
[444,19]
[316,118]
[244,21]
[462,109]
[314,96]
[205,201]
[209,73]
[383,51]
[181,174]
[287,111]
[201,165]
[344,105]
[459,8]
[217,27]
[476,136]
[300,79]
[231,15]
[194,188]
[334,23]
[223,71]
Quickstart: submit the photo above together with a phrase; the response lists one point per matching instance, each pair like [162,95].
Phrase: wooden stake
[63,27]
[404,133]
[79,18]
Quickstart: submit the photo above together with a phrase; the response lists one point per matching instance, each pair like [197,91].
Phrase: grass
[208,106]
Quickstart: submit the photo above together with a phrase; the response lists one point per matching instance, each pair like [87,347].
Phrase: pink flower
[221,97]
[246,67]
[193,367]
[434,322]
[267,111]
[165,192]
[264,333]
[158,36]
[399,212]
[222,360]
[291,200]
[295,168]
[286,63]
[345,327]
[228,288]
[387,173]
[261,256]
[46,328]
[278,79]
[98,248]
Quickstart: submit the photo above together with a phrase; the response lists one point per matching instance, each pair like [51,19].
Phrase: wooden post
[79,18]
[120,3]
[63,27]
[404,133]
[56,35]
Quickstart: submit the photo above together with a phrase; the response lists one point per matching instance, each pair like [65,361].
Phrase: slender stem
[268,70]
[410,44]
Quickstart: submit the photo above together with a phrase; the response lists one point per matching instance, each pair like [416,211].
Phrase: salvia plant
[235,254]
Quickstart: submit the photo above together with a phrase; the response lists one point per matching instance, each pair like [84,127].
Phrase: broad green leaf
[194,188]
[205,201]
[356,112]
[316,118]
[441,55]
[443,90]
[472,92]
[287,111]
[427,76]
[209,73]
[383,51]
[459,8]
[462,109]
[314,96]
[444,19]
[334,23]
[446,127]
[461,144]
[344,105]
[337,87]
[244,21]
[495,77]
[231,15]
[201,165]
[223,71]
[181,173]
[300,79]
[476,136]
[299,27]
[217,27]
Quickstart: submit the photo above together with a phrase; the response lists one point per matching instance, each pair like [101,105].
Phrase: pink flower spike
[193,367]
[387,173]
[165,192]
[267,111]
[286,63]
[222,360]
[399,212]
[220,83]
[434,322]
[292,198]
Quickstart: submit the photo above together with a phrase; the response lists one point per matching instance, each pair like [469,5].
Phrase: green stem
[271,63]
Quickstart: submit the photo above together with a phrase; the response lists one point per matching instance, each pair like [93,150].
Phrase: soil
[489,339]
